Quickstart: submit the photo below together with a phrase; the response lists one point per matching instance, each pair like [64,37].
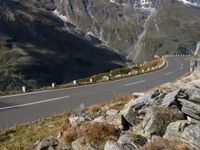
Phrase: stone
[169,99]
[192,134]
[180,85]
[112,112]
[74,120]
[47,143]
[112,145]
[193,95]
[183,130]
[99,119]
[130,119]
[78,144]
[135,140]
[175,129]
[157,119]
[189,108]
[89,147]
[81,110]
[155,94]
[196,83]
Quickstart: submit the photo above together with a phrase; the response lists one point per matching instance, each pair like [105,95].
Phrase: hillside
[45,41]
[36,49]
[137,29]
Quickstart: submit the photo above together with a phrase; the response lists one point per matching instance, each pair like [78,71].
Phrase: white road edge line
[142,81]
[34,103]
[168,73]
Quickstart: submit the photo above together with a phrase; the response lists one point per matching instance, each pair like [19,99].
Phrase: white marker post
[91,80]
[74,82]
[53,85]
[23,89]
[107,78]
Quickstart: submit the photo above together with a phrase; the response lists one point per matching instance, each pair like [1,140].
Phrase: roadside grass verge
[22,136]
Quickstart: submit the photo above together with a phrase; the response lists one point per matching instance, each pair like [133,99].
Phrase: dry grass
[23,136]
[96,133]
[162,144]
[94,108]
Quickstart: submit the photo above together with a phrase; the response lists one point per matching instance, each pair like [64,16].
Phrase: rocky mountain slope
[36,48]
[137,29]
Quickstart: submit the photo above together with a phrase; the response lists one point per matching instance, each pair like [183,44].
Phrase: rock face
[125,24]
[185,131]
[126,142]
[174,115]
[189,108]
[157,119]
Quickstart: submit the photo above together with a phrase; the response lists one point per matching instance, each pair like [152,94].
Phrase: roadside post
[23,89]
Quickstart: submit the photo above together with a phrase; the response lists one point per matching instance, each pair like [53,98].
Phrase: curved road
[26,107]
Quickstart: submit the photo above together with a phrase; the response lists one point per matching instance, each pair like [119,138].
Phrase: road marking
[82,86]
[168,73]
[34,103]
[135,83]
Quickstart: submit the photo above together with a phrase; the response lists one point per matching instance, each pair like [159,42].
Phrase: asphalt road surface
[27,107]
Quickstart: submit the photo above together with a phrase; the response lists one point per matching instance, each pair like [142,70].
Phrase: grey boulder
[157,119]
[112,145]
[48,143]
[189,108]
[183,130]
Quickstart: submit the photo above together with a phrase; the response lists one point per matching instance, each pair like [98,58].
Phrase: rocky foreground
[167,117]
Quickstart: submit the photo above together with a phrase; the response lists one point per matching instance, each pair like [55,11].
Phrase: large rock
[89,147]
[136,141]
[78,144]
[157,119]
[112,145]
[129,112]
[126,142]
[175,129]
[183,130]
[192,134]
[139,106]
[193,95]
[189,108]
[47,143]
[112,112]
[169,99]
